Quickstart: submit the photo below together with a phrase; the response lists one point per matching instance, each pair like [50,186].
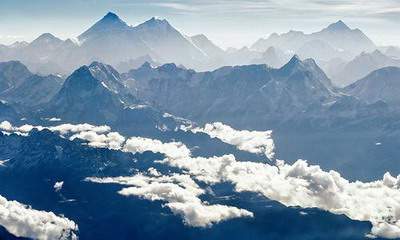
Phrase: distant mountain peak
[293,64]
[19,44]
[155,22]
[146,65]
[295,60]
[46,38]
[338,26]
[157,19]
[111,16]
[46,35]
[110,22]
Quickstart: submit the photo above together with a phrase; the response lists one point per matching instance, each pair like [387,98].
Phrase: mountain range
[249,96]
[96,94]
[252,96]
[361,66]
[113,41]
[151,134]
[310,118]
[337,39]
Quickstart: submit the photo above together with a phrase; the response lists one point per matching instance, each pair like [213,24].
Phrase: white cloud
[294,185]
[58,186]
[250,141]
[153,172]
[307,186]
[75,128]
[112,140]
[284,8]
[54,119]
[23,221]
[181,194]
[6,126]
[176,6]
[3,162]
[298,184]
[173,149]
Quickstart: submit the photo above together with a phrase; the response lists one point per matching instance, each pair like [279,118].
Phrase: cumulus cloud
[75,128]
[6,126]
[299,184]
[23,221]
[153,172]
[293,185]
[181,194]
[3,162]
[250,141]
[172,150]
[58,186]
[97,136]
[112,140]
[306,186]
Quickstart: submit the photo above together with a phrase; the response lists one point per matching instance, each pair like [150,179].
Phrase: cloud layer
[299,184]
[181,194]
[23,221]
[250,141]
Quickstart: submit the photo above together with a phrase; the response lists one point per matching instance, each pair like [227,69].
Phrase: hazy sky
[226,22]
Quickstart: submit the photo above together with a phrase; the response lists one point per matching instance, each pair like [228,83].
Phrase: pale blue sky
[226,22]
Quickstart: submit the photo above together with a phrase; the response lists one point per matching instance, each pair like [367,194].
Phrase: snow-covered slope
[380,85]
[206,46]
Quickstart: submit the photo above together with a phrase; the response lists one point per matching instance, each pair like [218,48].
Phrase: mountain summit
[111,40]
[107,25]
[338,26]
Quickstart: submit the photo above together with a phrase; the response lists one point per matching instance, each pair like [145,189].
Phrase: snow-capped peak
[155,22]
[294,61]
[47,38]
[338,26]
[111,16]
[110,22]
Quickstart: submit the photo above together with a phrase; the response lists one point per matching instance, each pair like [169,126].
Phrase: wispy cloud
[176,6]
[281,8]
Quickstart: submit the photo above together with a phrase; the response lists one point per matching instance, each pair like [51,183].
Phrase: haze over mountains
[113,41]
[362,65]
[143,132]
[336,38]
[380,85]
